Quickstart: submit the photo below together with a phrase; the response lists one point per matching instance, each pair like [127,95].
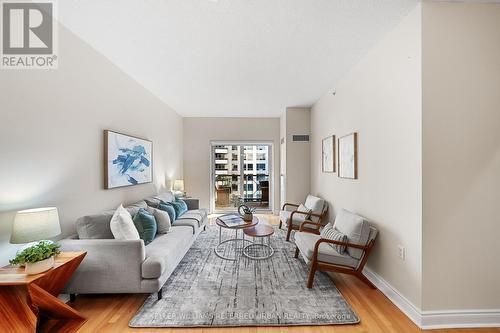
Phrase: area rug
[207,291]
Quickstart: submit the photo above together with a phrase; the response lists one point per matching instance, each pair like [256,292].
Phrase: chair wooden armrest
[331,241]
[308,222]
[316,214]
[289,204]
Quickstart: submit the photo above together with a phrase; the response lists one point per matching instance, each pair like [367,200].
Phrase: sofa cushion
[356,228]
[166,196]
[166,207]
[134,208]
[306,243]
[203,213]
[197,215]
[316,205]
[145,223]
[95,226]
[187,222]
[165,251]
[152,202]
[162,218]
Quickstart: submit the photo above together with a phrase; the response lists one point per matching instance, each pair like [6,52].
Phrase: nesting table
[261,231]
[251,229]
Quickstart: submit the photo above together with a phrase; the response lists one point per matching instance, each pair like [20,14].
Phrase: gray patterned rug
[206,291]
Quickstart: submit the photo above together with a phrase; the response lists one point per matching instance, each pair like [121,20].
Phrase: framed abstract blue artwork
[128,160]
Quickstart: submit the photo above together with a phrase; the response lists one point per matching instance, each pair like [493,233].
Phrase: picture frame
[348,156]
[128,160]
[328,154]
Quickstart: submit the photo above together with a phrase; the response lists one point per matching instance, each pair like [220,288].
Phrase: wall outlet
[401,252]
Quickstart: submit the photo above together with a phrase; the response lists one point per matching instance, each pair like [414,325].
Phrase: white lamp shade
[35,224]
[178,185]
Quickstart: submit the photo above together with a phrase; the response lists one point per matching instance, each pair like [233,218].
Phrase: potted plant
[247,214]
[37,258]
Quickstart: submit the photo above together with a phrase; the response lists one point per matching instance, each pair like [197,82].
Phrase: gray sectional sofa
[128,266]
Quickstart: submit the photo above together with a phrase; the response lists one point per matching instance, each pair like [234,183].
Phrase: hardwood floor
[111,313]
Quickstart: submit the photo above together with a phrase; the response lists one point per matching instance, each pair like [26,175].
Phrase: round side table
[262,231]
[233,255]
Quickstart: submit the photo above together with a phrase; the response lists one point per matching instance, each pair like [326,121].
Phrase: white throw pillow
[162,218]
[122,225]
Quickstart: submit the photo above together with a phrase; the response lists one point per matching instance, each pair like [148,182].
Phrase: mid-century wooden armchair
[317,210]
[320,255]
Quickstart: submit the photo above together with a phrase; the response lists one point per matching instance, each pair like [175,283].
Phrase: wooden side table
[29,303]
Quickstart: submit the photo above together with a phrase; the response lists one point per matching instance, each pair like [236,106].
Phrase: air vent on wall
[302,138]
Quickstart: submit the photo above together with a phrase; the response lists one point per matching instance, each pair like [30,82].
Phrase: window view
[241,176]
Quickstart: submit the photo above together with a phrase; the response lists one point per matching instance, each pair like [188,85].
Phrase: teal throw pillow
[178,208]
[167,207]
[182,204]
[145,224]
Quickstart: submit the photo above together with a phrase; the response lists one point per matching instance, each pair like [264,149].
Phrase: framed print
[348,156]
[328,154]
[127,160]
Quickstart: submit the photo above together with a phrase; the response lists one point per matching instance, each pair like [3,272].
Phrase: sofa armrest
[111,265]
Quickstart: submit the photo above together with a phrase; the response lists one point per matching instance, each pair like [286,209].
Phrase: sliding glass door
[241,175]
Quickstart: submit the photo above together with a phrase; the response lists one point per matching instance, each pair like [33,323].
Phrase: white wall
[381,100]
[199,132]
[461,156]
[51,136]
[296,158]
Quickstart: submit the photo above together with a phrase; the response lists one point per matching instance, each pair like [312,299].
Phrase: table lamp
[33,225]
[178,188]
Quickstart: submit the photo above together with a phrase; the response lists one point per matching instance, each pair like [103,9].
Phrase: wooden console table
[29,303]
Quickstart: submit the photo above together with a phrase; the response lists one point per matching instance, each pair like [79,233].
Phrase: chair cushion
[329,232]
[356,228]
[297,218]
[165,251]
[306,242]
[316,205]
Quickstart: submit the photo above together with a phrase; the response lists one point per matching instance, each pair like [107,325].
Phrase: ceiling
[238,58]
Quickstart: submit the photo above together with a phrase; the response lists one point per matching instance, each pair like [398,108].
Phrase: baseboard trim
[407,307]
[460,319]
[435,319]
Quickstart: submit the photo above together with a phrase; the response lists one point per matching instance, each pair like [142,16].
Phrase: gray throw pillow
[162,218]
[329,232]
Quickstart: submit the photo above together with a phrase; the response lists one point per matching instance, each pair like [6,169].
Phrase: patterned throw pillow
[329,232]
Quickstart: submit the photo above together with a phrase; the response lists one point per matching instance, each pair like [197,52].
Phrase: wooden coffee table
[236,253]
[262,231]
